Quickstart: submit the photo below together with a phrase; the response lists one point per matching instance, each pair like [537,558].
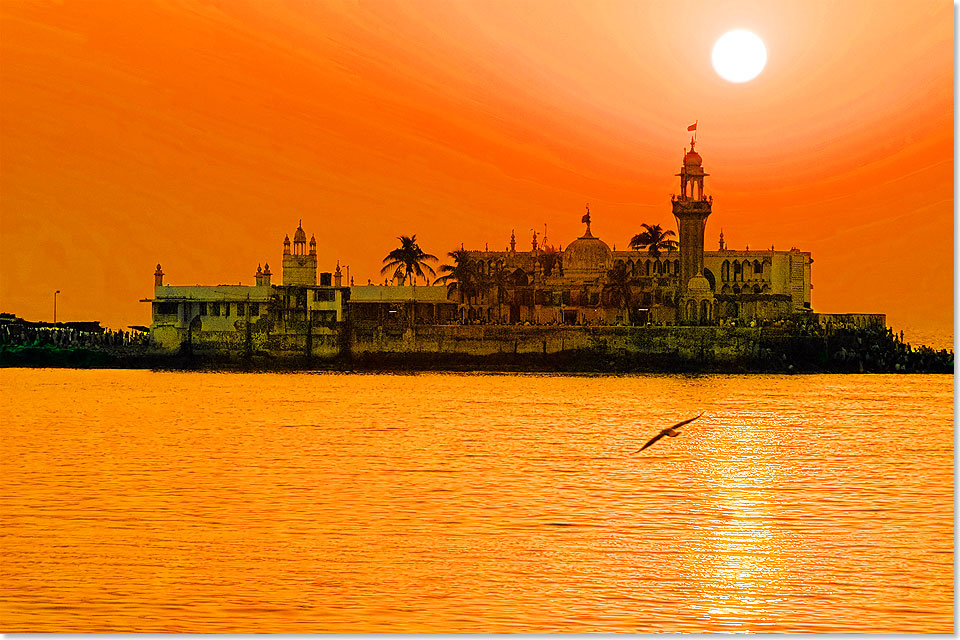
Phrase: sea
[166,502]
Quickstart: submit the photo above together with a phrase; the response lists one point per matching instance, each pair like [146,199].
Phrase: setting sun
[739,56]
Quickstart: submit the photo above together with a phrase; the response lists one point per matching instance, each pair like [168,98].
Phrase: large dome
[586,254]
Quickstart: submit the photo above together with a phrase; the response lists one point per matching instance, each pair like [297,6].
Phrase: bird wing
[652,440]
[680,424]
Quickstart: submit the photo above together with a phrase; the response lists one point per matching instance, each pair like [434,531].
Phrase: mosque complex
[585,284]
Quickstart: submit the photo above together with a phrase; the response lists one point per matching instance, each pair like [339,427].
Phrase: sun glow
[739,56]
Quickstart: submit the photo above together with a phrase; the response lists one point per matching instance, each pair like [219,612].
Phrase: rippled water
[203,502]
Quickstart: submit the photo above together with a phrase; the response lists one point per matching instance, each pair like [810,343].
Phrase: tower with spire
[299,265]
[691,209]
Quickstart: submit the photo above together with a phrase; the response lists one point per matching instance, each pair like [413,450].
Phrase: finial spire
[586,218]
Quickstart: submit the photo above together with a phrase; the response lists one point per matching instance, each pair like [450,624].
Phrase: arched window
[646,267]
[725,271]
[519,278]
[676,267]
[631,268]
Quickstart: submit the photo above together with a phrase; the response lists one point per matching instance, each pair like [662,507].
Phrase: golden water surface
[204,502]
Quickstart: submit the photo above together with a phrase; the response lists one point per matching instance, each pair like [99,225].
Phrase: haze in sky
[197,134]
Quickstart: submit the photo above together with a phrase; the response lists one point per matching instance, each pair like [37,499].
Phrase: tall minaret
[691,209]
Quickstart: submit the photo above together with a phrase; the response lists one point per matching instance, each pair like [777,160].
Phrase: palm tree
[618,288]
[500,281]
[654,239]
[481,282]
[459,276]
[408,260]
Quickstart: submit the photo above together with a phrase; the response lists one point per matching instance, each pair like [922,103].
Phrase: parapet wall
[694,343]
[684,343]
[804,347]
[560,347]
[323,343]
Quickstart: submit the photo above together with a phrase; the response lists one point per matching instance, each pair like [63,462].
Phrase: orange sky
[196,134]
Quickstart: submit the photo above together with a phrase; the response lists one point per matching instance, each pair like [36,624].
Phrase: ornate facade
[588,283]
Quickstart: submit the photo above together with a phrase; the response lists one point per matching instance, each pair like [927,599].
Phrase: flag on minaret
[693,127]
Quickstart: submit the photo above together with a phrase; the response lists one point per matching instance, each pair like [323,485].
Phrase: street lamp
[55,306]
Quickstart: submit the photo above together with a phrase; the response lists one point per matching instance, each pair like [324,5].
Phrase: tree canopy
[408,261]
[654,239]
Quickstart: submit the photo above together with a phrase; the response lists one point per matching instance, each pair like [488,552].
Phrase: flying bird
[669,431]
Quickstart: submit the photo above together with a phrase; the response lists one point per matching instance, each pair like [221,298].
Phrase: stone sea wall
[522,348]
[697,343]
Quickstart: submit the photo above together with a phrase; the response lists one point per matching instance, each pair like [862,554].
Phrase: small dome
[698,284]
[286,239]
[313,240]
[299,235]
[586,253]
[692,158]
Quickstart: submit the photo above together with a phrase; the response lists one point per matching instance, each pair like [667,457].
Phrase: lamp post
[55,306]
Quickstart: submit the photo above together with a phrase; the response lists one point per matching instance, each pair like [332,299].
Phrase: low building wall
[643,347]
[693,343]
[323,343]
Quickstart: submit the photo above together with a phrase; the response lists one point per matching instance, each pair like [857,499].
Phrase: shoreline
[572,361]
